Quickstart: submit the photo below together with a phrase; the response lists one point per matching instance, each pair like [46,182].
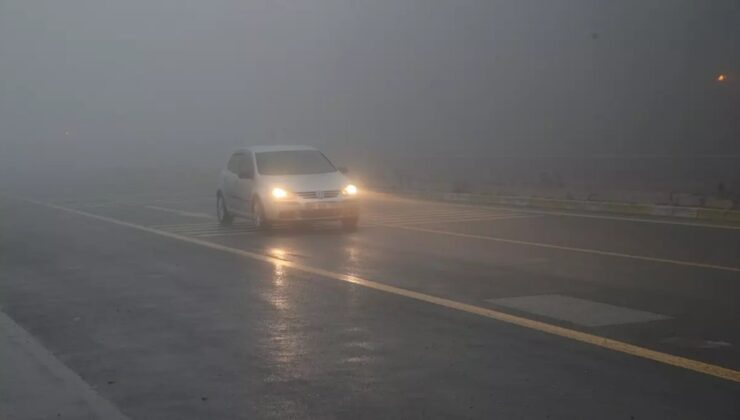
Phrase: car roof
[275,148]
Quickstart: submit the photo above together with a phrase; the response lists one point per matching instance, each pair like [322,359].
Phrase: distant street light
[721,78]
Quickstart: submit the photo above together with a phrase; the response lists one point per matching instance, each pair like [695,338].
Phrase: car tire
[222,212]
[258,216]
[350,223]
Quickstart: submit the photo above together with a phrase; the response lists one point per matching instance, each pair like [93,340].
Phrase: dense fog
[581,91]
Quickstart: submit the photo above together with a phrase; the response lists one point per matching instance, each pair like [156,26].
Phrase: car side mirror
[245,175]
[343,169]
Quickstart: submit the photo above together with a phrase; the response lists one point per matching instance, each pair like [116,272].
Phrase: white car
[274,184]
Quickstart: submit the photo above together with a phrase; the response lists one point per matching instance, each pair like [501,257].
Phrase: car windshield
[293,162]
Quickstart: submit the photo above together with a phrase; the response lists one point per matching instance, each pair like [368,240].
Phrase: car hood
[300,183]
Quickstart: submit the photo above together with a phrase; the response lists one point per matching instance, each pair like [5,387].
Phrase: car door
[230,181]
[244,184]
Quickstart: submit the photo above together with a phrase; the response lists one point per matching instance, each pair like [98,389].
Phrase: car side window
[235,163]
[247,164]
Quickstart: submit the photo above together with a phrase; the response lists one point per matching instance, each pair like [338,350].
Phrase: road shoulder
[35,384]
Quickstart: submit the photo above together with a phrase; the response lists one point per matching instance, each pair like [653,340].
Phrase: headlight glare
[350,190]
[279,193]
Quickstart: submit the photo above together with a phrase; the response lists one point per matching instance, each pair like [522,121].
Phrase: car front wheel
[258,216]
[224,217]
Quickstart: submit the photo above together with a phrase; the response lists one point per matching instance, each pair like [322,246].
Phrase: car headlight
[279,193]
[349,190]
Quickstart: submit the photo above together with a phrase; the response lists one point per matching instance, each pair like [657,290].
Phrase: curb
[695,213]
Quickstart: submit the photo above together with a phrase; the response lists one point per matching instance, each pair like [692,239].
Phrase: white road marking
[696,343]
[446,213]
[572,214]
[226,234]
[634,219]
[181,212]
[370,219]
[97,205]
[209,230]
[411,219]
[568,248]
[462,220]
[583,312]
[67,382]
[410,226]
[205,228]
[183,226]
[435,215]
[580,336]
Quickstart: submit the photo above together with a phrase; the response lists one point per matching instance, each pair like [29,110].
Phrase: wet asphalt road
[165,326]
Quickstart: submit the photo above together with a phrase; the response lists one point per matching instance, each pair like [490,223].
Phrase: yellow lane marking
[603,342]
[569,248]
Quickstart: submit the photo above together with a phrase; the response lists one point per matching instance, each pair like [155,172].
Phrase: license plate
[319,206]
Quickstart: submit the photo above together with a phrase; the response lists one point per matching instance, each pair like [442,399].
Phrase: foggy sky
[180,80]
